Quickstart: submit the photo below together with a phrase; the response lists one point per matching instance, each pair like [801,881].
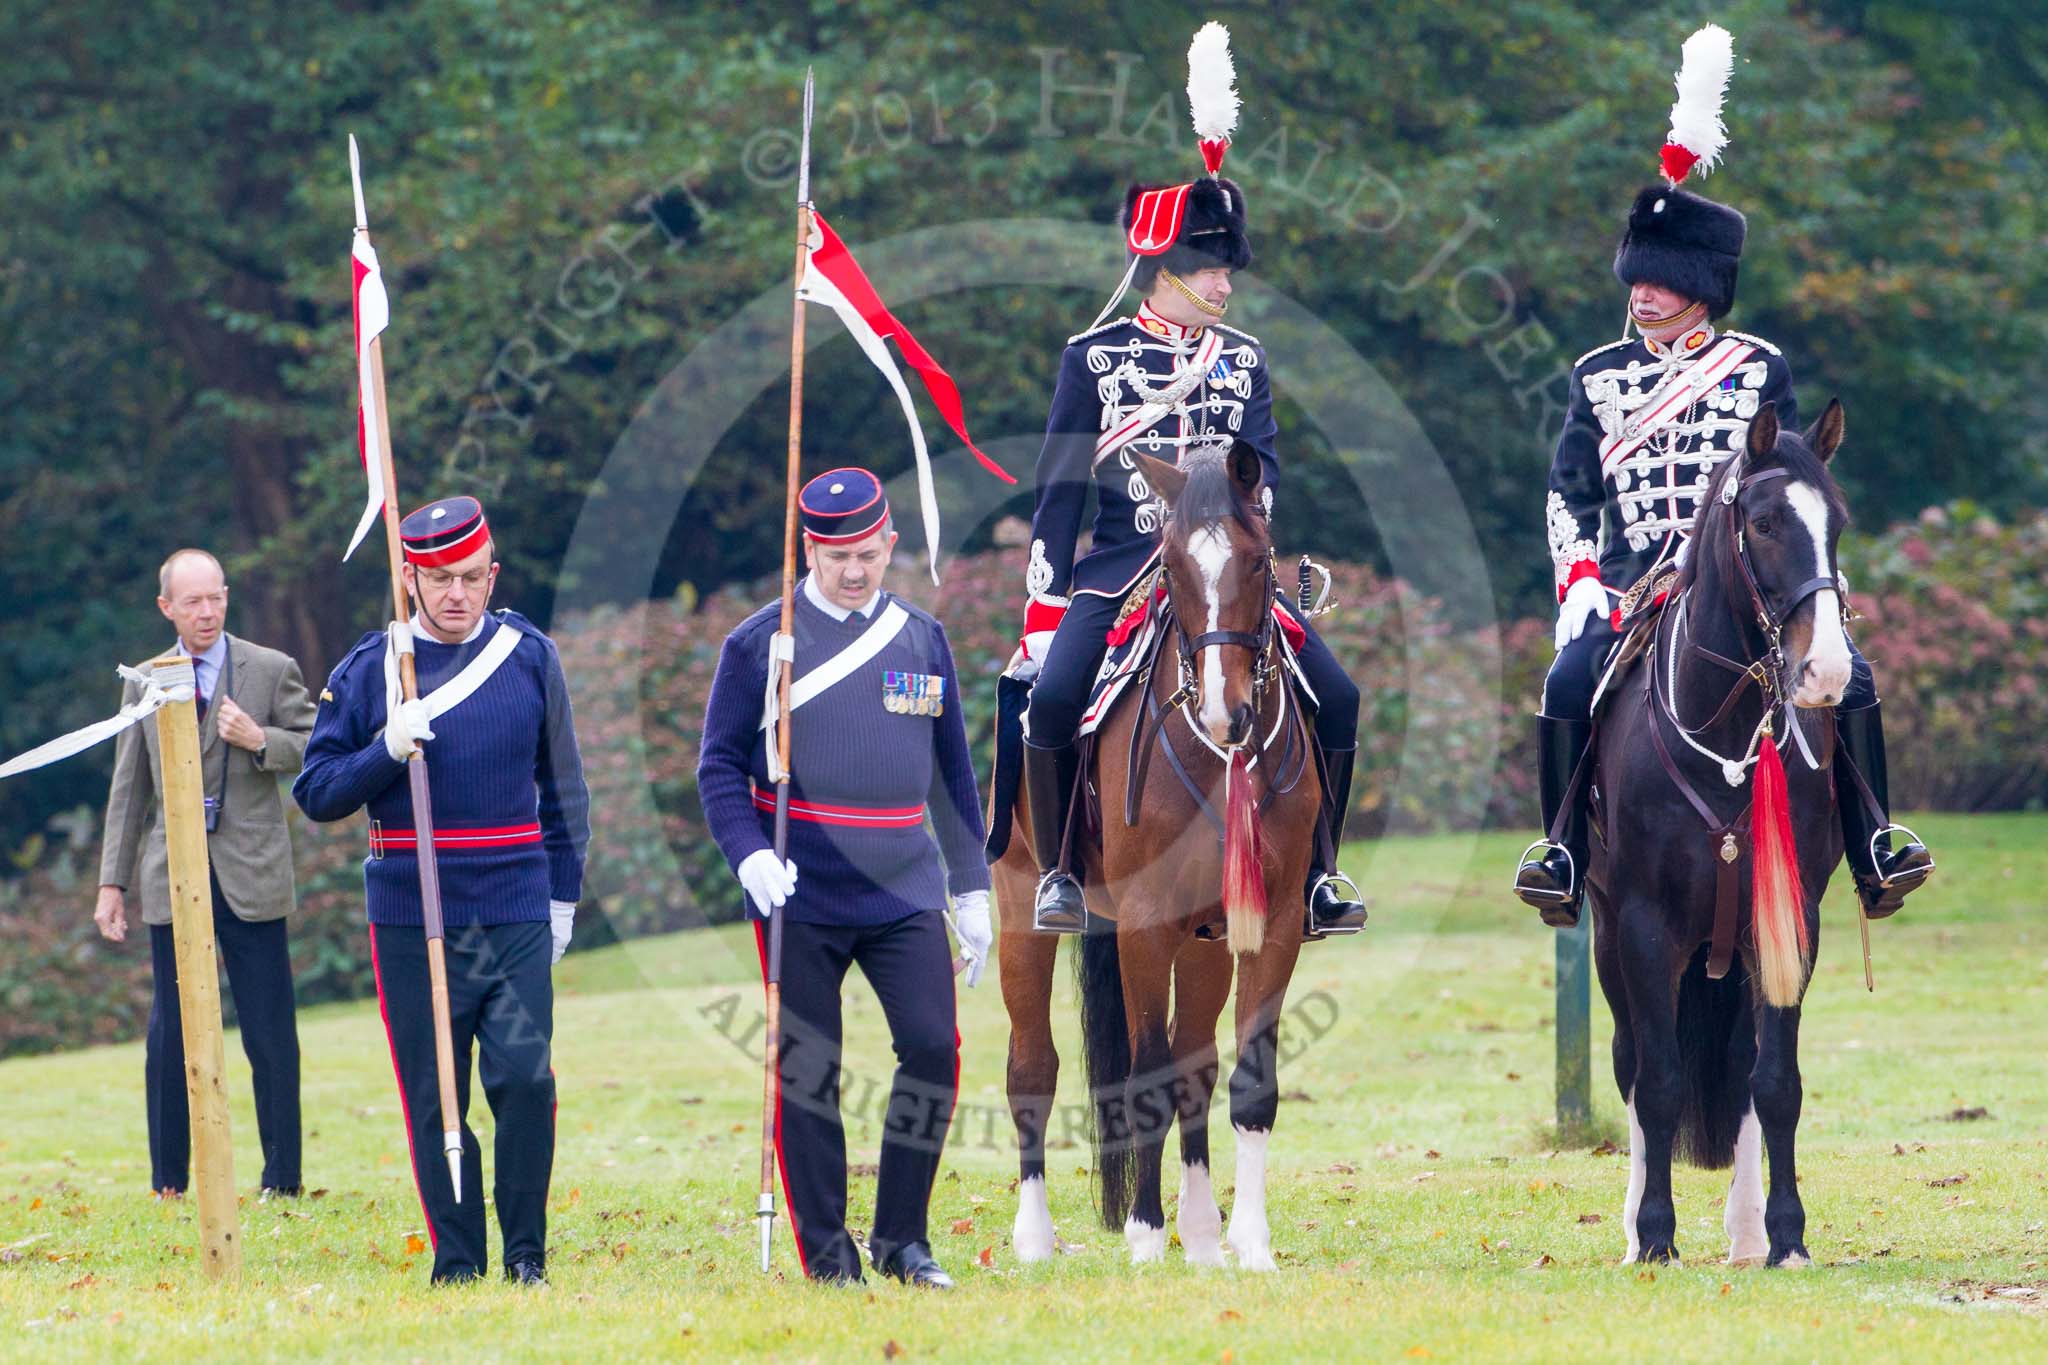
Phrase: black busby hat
[1684,241]
[1200,225]
[1212,228]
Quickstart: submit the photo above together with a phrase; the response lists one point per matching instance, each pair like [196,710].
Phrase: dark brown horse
[1714,849]
[1154,976]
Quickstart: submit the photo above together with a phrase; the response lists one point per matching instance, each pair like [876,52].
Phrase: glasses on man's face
[437,580]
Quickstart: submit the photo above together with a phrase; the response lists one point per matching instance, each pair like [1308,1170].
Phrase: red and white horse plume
[1698,137]
[1212,92]
[1244,861]
[1777,898]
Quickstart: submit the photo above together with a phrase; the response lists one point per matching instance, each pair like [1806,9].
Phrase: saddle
[1640,612]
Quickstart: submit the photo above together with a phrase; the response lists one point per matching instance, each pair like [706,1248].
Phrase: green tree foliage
[568,197]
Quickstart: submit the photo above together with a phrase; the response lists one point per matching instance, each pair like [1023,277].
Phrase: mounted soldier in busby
[1651,418]
[1166,382]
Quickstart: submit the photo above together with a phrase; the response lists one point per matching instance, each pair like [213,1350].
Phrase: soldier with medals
[1650,418]
[511,825]
[877,748]
[1171,378]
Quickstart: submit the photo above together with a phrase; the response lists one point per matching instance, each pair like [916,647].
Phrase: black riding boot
[1884,874]
[1330,910]
[1555,882]
[1049,787]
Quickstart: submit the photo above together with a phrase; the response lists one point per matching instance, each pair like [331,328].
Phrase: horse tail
[1106,1067]
[1778,900]
[1713,1070]
[1244,872]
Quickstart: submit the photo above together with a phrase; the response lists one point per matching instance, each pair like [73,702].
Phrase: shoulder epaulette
[1602,350]
[1757,342]
[1236,332]
[1098,331]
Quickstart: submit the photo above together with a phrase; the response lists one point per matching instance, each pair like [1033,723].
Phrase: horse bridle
[1768,671]
[1259,642]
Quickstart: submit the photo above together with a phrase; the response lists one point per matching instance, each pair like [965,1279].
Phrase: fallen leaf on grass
[1298,1097]
[962,1226]
[1606,1148]
[1589,1218]
[1962,1115]
[414,1244]
[987,1257]
[890,1350]
[1340,1168]
[1942,1181]
[1543,1262]
[1421,1176]
[1230,1315]
[1514,1075]
[1433,1155]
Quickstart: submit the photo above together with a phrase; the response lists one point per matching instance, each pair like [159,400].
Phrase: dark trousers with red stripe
[909,965]
[501,999]
[258,960]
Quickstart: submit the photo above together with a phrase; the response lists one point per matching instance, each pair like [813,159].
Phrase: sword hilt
[1303,593]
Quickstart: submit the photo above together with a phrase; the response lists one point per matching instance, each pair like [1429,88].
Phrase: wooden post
[1574,1030]
[213,1156]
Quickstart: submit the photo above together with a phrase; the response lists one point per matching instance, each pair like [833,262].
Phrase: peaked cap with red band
[841,506]
[444,532]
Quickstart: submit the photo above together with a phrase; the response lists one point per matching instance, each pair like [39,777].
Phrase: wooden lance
[416,770]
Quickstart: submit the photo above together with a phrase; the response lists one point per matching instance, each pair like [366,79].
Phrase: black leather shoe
[1899,872]
[912,1263]
[1049,776]
[527,1273]
[1547,882]
[1330,911]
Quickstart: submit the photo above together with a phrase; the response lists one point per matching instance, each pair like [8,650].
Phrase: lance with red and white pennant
[373,430]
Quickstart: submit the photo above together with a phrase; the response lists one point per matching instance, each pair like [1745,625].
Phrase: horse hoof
[1255,1257]
[1147,1243]
[1795,1259]
[1031,1235]
[1753,1258]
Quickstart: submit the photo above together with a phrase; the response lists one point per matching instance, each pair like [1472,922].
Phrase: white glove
[561,924]
[408,727]
[970,921]
[1584,600]
[769,880]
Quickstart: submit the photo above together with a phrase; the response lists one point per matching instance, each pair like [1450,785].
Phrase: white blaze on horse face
[1824,674]
[1210,549]
[1031,1234]
[1744,1218]
[1638,1175]
[1199,1221]
[1249,1237]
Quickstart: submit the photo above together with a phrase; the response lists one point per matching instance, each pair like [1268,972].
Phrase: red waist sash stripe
[864,817]
[384,841]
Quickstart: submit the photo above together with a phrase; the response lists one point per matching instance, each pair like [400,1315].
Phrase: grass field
[1419,1209]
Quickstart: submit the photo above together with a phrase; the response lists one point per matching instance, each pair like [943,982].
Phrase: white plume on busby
[1684,241]
[1212,92]
[1698,137]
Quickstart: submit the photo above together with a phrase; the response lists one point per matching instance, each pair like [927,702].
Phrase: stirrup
[1054,921]
[1311,930]
[1920,874]
[1555,897]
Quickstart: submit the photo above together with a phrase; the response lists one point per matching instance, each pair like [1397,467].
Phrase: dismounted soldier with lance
[1650,418]
[511,823]
[1168,379]
[877,746]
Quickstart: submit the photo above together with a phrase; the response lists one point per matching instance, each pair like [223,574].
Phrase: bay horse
[1712,850]
[1164,881]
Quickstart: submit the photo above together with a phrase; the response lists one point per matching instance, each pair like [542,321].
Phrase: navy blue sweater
[501,763]
[852,758]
